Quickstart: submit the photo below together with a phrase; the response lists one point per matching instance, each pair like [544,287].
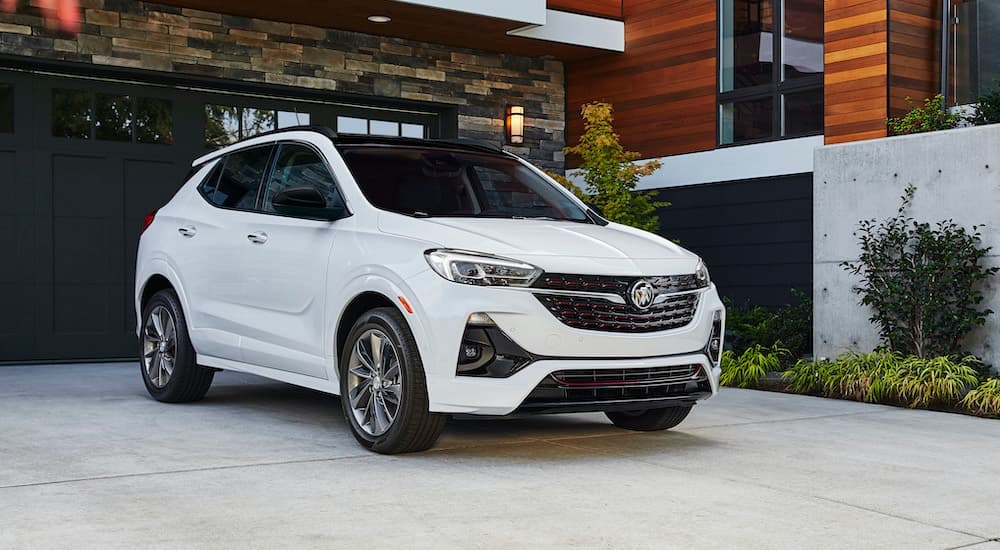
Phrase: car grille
[604,378]
[602,389]
[593,313]
[614,285]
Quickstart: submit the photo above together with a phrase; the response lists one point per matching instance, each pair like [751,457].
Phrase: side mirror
[306,202]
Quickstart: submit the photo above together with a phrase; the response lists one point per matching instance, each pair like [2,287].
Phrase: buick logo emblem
[641,294]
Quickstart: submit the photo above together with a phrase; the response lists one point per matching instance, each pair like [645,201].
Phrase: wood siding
[663,86]
[914,52]
[597,8]
[856,73]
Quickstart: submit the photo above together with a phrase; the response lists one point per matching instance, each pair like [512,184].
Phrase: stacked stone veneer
[477,84]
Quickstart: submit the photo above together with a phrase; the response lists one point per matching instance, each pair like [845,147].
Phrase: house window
[974,66]
[354,125]
[87,115]
[770,69]
[225,124]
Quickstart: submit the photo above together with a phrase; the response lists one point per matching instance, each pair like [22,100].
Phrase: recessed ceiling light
[379,18]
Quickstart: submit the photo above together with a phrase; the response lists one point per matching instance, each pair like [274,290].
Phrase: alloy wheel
[374,382]
[159,345]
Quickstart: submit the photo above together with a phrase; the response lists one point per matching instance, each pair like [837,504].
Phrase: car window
[239,179]
[440,182]
[298,165]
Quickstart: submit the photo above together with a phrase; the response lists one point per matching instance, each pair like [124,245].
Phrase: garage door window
[6,108]
[354,125]
[87,115]
[225,125]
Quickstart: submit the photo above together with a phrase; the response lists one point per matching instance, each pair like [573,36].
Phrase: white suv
[418,279]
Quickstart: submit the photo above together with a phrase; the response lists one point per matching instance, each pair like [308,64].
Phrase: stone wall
[957,176]
[478,84]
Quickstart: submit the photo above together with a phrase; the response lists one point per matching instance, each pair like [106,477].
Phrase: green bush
[922,282]
[746,369]
[985,399]
[987,107]
[885,376]
[790,326]
[933,116]
[610,174]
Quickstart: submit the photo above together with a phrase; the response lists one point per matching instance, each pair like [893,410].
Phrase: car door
[211,252]
[286,266]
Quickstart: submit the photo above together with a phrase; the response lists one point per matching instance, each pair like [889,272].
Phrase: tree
[610,173]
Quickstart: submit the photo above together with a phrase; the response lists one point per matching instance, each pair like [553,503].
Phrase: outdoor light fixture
[515,124]
[379,18]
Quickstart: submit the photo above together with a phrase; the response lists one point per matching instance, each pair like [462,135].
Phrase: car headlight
[701,275]
[472,268]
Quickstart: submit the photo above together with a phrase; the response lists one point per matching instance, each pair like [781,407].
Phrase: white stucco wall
[957,175]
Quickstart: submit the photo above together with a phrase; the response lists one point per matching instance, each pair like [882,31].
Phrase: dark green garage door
[82,161]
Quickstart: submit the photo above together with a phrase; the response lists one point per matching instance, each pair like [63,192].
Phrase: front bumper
[525,321]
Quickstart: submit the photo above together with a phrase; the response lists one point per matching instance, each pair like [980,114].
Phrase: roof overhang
[523,27]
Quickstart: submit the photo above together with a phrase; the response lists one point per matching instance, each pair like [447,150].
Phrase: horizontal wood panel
[857,64]
[662,87]
[599,8]
[914,52]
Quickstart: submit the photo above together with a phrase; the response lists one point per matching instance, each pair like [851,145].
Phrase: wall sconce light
[515,124]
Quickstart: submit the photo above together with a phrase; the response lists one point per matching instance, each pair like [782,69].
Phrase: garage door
[82,161]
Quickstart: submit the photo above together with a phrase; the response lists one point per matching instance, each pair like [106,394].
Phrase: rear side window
[234,182]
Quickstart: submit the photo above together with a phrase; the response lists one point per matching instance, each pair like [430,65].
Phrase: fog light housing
[714,347]
[487,352]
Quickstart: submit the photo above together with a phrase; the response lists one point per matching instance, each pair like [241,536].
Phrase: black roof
[363,139]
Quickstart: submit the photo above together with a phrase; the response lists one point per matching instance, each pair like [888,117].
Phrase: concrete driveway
[88,460]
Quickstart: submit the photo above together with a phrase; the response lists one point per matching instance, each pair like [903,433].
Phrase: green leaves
[987,107]
[791,324]
[746,370]
[610,175]
[984,400]
[934,115]
[922,282]
[884,376]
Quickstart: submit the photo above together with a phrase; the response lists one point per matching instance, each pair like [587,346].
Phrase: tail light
[147,221]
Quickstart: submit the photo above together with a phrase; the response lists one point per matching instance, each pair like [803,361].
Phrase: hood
[551,245]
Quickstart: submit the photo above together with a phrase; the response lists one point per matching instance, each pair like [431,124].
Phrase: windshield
[428,182]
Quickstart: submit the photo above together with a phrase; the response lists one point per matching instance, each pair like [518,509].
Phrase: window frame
[266,180]
[221,166]
[775,90]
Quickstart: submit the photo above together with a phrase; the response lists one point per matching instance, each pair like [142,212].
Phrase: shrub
[987,107]
[610,174]
[806,376]
[746,370]
[922,282]
[936,381]
[984,399]
[791,325]
[933,116]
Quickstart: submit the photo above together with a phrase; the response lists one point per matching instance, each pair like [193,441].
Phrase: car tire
[401,393]
[650,420]
[170,370]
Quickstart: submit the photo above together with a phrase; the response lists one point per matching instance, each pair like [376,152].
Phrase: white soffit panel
[576,29]
[531,12]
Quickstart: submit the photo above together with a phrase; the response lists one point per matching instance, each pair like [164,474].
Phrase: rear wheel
[383,390]
[166,357]
[649,420]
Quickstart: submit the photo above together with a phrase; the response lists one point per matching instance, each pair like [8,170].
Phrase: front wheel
[383,390]
[649,420]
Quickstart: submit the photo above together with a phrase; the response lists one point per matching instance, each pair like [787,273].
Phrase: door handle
[257,238]
[187,230]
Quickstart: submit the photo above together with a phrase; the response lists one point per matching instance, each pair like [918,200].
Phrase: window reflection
[114,117]
[747,43]
[355,125]
[746,120]
[803,113]
[72,113]
[802,40]
[225,125]
[154,121]
[975,61]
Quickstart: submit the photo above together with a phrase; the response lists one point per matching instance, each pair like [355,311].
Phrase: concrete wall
[957,175]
